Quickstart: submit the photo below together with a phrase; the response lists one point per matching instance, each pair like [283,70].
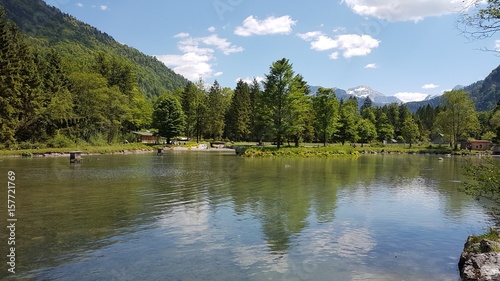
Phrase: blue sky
[407,48]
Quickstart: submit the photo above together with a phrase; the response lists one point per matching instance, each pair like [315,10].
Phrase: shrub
[60,141]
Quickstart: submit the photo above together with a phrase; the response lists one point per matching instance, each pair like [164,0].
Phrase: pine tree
[11,80]
[216,111]
[239,113]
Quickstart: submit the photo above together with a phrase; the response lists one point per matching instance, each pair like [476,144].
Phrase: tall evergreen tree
[238,116]
[299,112]
[277,90]
[325,106]
[257,115]
[193,105]
[216,111]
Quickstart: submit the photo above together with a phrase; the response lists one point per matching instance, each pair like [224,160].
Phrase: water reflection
[199,216]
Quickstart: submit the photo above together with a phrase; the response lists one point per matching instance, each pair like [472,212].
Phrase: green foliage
[349,116]
[485,179]
[288,152]
[60,141]
[238,117]
[325,106]
[168,117]
[366,131]
[78,42]
[78,86]
[458,120]
[216,111]
[277,101]
[409,130]
[193,100]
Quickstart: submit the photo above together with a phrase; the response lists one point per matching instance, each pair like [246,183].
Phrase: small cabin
[146,137]
[477,145]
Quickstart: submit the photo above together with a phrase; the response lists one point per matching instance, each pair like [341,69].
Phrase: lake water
[215,216]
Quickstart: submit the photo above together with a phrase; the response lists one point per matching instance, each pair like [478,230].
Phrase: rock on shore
[480,261]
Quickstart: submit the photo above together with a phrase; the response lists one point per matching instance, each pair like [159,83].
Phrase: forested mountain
[48,27]
[484,93]
[63,82]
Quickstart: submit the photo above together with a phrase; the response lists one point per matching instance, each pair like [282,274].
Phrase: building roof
[147,134]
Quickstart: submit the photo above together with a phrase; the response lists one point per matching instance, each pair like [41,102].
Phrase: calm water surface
[214,216]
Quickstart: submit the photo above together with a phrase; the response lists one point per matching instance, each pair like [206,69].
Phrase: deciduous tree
[326,107]
[458,119]
[168,117]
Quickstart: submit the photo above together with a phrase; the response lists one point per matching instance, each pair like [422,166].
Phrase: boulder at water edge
[480,260]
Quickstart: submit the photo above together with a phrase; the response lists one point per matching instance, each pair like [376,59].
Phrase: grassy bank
[336,150]
[333,151]
[86,149]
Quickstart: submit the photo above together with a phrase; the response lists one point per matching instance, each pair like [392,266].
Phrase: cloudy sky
[407,48]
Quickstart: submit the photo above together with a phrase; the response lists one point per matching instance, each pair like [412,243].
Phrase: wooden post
[75,157]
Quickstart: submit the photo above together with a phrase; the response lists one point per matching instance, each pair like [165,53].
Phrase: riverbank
[85,150]
[348,150]
[244,149]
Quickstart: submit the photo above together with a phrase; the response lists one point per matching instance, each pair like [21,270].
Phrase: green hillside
[486,93]
[78,44]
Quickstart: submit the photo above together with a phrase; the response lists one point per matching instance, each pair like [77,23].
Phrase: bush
[60,141]
[98,140]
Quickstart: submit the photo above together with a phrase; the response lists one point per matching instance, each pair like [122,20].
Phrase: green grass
[473,242]
[333,150]
[303,152]
[491,235]
[104,149]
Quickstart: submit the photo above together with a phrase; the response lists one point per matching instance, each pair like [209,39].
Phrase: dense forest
[77,43]
[64,83]
[282,109]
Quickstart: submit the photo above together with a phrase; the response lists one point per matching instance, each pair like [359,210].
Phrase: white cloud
[429,86]
[371,66]
[497,45]
[80,5]
[249,80]
[308,36]
[271,25]
[198,55]
[409,10]
[190,65]
[182,35]
[408,96]
[323,43]
[103,7]
[222,44]
[211,29]
[334,55]
[351,45]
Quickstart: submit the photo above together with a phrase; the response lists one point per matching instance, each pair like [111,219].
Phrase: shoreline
[259,152]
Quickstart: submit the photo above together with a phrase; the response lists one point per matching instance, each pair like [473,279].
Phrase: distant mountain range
[485,94]
[361,93]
